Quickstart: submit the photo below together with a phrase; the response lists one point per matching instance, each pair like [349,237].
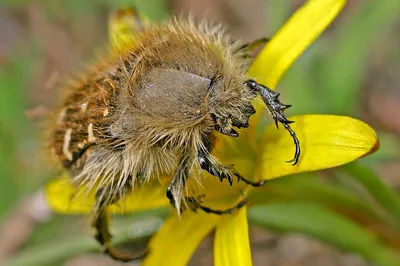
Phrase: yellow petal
[292,39]
[231,243]
[178,238]
[64,197]
[326,141]
[122,26]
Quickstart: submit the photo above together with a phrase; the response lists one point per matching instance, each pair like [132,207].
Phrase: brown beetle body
[140,112]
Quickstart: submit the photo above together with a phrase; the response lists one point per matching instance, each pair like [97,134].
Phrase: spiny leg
[175,188]
[101,224]
[252,49]
[223,125]
[249,182]
[225,172]
[276,109]
[177,184]
[222,172]
[220,212]
[216,170]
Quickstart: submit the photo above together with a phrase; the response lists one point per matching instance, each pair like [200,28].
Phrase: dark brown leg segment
[178,182]
[222,172]
[101,224]
[276,109]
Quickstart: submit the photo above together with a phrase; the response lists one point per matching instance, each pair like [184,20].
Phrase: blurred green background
[344,216]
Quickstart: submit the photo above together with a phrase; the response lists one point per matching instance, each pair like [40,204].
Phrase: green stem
[53,253]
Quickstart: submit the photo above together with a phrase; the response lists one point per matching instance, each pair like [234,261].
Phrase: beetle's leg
[223,172]
[224,126]
[276,109]
[214,169]
[175,191]
[220,171]
[252,49]
[196,205]
[101,224]
[176,187]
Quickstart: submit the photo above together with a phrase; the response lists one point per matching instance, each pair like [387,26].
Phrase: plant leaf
[342,71]
[52,253]
[308,188]
[387,197]
[320,223]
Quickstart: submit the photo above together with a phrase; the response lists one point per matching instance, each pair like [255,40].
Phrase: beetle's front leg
[276,109]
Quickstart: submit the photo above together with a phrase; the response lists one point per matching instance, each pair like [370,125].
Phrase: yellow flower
[326,141]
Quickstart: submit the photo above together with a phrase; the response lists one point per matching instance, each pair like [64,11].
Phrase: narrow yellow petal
[178,238]
[231,243]
[122,26]
[292,39]
[326,141]
[64,197]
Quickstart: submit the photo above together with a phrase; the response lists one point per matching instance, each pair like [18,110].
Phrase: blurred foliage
[351,207]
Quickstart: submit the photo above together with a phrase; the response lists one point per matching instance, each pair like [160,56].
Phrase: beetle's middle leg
[175,191]
[220,171]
